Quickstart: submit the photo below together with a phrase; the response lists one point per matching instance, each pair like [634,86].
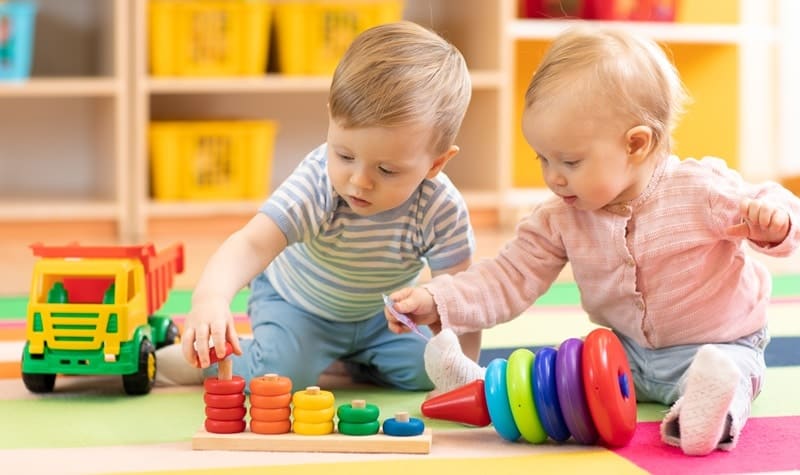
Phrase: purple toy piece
[545,395]
[571,395]
[402,318]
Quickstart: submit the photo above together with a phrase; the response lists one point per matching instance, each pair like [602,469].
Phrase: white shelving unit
[64,152]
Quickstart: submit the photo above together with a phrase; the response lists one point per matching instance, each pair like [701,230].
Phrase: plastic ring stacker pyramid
[609,387]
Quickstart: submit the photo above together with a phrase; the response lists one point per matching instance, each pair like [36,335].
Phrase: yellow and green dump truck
[92,311]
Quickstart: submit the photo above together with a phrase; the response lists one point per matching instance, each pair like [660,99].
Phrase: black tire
[38,382]
[141,382]
[172,336]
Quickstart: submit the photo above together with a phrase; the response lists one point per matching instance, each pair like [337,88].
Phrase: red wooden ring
[223,401]
[226,413]
[225,427]
[214,385]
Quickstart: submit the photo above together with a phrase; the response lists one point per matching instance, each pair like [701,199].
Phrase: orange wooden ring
[214,385]
[270,385]
[270,415]
[226,413]
[277,427]
[225,427]
[223,401]
[271,402]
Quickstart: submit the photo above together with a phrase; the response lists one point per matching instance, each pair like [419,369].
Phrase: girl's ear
[639,142]
[440,161]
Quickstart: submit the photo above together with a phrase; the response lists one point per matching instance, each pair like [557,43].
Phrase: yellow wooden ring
[314,415]
[519,382]
[313,400]
[312,428]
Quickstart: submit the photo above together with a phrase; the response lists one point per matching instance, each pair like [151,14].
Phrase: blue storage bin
[17,20]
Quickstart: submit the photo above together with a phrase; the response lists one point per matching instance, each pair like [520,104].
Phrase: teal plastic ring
[497,400]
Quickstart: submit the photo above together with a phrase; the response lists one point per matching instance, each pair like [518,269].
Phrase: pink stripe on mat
[767,444]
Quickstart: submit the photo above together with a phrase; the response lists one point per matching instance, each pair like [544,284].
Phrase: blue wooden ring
[571,395]
[397,428]
[545,395]
[497,400]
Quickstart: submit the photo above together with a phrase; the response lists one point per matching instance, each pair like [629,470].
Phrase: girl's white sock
[446,365]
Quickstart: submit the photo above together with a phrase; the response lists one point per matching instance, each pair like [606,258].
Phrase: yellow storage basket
[208,37]
[211,160]
[312,35]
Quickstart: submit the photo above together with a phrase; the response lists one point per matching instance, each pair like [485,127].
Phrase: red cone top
[465,404]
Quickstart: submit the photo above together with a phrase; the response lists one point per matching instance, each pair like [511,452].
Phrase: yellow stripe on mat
[588,461]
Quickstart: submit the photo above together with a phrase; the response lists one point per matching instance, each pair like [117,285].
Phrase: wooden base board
[378,443]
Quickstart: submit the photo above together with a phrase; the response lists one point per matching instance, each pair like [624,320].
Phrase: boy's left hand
[762,223]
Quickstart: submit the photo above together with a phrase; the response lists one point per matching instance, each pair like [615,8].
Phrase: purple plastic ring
[571,396]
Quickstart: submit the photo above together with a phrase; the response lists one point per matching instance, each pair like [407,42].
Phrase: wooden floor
[200,240]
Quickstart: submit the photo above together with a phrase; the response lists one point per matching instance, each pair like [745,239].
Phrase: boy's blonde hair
[400,74]
[630,74]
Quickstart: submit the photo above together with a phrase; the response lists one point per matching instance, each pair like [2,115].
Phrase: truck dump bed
[159,268]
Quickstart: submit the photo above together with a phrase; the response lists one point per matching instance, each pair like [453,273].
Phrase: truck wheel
[39,383]
[172,336]
[141,382]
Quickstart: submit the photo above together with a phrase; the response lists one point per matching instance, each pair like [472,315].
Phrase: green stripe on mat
[561,293]
[162,417]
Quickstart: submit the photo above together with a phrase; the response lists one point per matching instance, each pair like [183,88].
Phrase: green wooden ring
[359,428]
[358,415]
[519,381]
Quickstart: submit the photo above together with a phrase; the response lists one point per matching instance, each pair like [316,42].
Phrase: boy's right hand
[210,317]
[418,304]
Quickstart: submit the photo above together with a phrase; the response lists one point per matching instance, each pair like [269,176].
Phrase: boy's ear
[639,142]
[441,161]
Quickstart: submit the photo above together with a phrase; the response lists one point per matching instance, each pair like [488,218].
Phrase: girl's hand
[762,223]
[418,304]
[210,317]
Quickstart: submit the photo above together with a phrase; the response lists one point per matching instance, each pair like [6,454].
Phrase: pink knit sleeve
[496,290]
[730,189]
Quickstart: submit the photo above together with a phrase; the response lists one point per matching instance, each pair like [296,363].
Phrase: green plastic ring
[358,415]
[519,381]
[359,428]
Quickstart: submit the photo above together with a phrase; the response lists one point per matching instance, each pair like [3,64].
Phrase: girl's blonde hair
[401,74]
[631,74]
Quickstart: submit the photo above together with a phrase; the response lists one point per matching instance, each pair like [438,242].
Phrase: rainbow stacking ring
[609,387]
[497,400]
[545,395]
[571,395]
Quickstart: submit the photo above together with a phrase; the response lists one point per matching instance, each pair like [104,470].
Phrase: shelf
[57,209]
[272,83]
[60,87]
[175,209]
[689,33]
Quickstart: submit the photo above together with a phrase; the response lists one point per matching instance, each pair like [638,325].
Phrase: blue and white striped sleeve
[447,231]
[301,202]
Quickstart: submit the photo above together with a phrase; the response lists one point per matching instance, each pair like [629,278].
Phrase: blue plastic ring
[545,395]
[497,400]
